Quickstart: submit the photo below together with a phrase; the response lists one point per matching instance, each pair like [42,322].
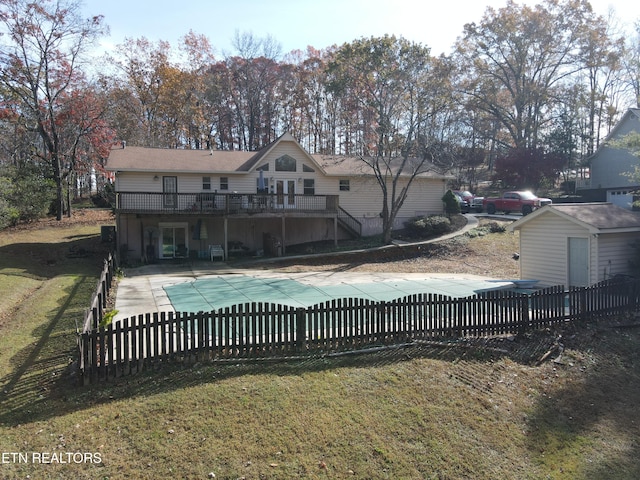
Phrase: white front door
[578,262]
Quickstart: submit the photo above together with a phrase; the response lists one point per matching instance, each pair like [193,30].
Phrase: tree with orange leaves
[41,55]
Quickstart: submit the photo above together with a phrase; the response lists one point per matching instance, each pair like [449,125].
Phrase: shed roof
[596,217]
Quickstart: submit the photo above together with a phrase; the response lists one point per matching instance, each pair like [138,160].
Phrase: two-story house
[175,203]
[609,167]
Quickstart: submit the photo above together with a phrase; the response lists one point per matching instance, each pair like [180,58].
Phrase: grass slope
[480,409]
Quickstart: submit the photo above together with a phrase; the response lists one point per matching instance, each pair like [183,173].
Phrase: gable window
[224,183]
[307,169]
[285,163]
[344,186]
[309,186]
[206,183]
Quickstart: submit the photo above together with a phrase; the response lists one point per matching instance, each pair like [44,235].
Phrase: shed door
[578,262]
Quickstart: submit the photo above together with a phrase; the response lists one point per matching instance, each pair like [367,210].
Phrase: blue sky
[295,24]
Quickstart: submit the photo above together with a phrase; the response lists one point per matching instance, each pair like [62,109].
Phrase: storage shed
[576,244]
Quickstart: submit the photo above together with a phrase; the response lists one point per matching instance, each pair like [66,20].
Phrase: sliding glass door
[174,240]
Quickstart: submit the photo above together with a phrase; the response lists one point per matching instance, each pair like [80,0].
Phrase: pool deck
[158,288]
[204,286]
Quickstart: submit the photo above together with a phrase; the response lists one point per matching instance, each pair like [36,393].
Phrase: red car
[524,202]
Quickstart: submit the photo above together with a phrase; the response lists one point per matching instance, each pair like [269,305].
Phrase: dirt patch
[478,253]
[79,217]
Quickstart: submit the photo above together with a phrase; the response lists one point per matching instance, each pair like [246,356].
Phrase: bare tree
[514,62]
[631,62]
[395,95]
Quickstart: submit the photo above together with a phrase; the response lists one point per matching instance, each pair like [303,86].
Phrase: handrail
[223,203]
[349,221]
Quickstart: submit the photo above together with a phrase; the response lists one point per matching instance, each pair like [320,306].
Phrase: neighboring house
[576,244]
[609,167]
[175,203]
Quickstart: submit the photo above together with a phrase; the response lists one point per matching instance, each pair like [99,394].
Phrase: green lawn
[481,410]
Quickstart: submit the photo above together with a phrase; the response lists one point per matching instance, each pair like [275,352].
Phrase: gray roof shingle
[602,216]
[597,217]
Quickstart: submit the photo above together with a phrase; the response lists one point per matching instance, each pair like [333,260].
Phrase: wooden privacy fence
[94,314]
[262,330]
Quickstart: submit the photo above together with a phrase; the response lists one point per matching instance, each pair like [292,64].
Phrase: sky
[296,24]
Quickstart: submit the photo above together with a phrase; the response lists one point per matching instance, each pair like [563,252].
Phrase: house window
[285,164]
[309,186]
[224,183]
[206,183]
[344,186]
[307,169]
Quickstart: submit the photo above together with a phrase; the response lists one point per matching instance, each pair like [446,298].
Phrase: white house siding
[543,249]
[364,201]
[138,182]
[615,251]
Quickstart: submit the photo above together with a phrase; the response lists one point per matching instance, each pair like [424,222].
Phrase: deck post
[226,239]
[284,232]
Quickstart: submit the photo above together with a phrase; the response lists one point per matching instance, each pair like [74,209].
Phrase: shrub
[107,318]
[451,204]
[26,193]
[486,229]
[105,198]
[428,226]
[495,227]
[9,215]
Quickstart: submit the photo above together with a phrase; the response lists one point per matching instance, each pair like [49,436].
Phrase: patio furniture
[216,251]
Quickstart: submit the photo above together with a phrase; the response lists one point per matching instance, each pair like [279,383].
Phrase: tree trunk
[68,199]
[57,178]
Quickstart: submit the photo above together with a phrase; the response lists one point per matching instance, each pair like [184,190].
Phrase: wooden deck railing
[223,203]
